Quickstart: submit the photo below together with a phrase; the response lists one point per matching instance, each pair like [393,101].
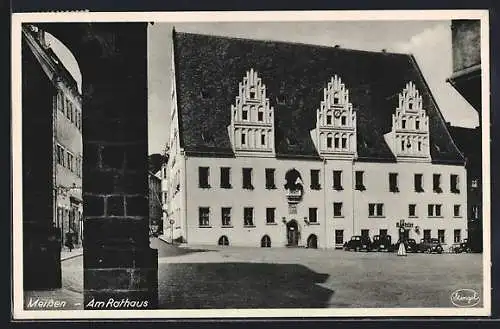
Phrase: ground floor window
[312,241]
[248,216]
[441,236]
[365,233]
[339,236]
[456,236]
[223,241]
[427,234]
[203,216]
[265,242]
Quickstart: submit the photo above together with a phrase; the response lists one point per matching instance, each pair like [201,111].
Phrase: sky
[428,41]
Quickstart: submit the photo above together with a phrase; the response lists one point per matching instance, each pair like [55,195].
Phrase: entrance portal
[292,232]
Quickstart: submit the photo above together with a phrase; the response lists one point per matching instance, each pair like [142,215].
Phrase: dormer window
[417,124]
[344,142]
[260,115]
[205,94]
[419,146]
[281,99]
[336,99]
[329,119]
[252,93]
[343,120]
[244,114]
[329,142]
[263,139]
[402,145]
[403,124]
[243,139]
[410,106]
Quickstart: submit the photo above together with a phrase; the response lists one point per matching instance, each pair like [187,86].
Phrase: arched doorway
[223,241]
[312,241]
[292,233]
[265,242]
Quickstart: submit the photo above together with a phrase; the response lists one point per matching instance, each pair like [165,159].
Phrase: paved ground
[216,277]
[304,278]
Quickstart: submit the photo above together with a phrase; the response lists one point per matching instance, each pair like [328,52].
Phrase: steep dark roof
[215,66]
[468,141]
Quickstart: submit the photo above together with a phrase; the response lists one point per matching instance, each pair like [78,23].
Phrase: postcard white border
[271,16]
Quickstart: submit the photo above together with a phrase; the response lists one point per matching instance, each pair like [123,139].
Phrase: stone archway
[113,63]
[292,233]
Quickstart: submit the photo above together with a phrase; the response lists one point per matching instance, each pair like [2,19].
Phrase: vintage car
[463,246]
[410,245]
[381,243]
[430,246]
[358,243]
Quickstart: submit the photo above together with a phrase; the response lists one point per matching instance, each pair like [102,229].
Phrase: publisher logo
[465,298]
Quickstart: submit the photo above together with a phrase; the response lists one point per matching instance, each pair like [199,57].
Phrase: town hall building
[277,144]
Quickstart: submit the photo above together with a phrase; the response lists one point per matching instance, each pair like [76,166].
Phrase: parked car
[410,245]
[358,243]
[381,243]
[430,246]
[463,246]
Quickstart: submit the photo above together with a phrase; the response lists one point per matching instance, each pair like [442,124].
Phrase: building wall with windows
[67,147]
[271,151]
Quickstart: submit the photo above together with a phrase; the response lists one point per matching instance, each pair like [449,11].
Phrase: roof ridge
[296,43]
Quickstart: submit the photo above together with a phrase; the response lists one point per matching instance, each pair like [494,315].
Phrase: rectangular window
[365,233]
[329,142]
[244,114]
[337,180]
[376,209]
[247,178]
[60,154]
[270,179]
[226,216]
[427,235]
[260,116]
[225,177]
[243,139]
[417,125]
[456,210]
[336,99]
[454,184]
[475,211]
[402,145]
[337,142]
[263,139]
[68,104]
[337,209]
[436,183]
[313,215]
[204,216]
[359,181]
[315,185]
[412,210]
[434,210]
[393,182]
[344,142]
[203,177]
[441,236]
[383,232]
[403,124]
[419,146]
[339,237]
[248,216]
[343,120]
[70,162]
[418,183]
[474,183]
[457,236]
[328,119]
[270,215]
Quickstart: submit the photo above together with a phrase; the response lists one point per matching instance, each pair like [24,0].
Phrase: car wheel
[469,249]
[439,250]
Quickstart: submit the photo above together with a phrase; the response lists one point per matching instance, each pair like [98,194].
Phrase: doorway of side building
[312,241]
[292,232]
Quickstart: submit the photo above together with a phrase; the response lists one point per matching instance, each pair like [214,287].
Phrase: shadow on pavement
[241,285]
[169,250]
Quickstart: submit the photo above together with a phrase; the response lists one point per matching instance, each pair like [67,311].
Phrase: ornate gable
[409,138]
[252,119]
[335,133]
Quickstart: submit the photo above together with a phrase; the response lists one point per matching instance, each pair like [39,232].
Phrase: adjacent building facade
[277,144]
[66,150]
[155,203]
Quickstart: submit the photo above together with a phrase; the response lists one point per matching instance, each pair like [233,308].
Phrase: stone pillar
[118,262]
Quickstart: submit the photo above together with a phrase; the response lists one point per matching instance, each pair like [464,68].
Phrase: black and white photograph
[196,165]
